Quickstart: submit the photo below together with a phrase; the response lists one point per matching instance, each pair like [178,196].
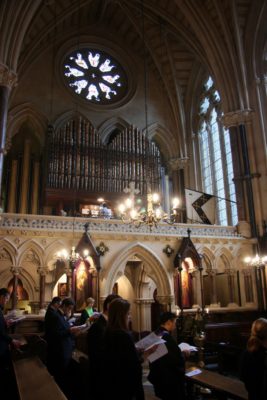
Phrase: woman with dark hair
[123,370]
[254,365]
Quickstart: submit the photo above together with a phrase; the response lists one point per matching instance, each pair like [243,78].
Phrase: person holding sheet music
[167,373]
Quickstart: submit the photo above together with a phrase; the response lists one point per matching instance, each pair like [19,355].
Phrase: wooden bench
[34,381]
[224,386]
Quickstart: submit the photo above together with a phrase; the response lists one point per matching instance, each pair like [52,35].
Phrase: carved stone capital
[238,117]
[15,270]
[230,271]
[165,299]
[246,272]
[176,163]
[7,77]
[42,271]
[211,272]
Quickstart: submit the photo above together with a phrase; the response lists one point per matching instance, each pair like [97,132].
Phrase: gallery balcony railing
[29,222]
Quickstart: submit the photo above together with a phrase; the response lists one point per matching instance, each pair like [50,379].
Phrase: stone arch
[163,139]
[154,268]
[109,125]
[28,282]
[37,253]
[24,113]
[224,260]
[208,259]
[55,271]
[10,249]
[68,115]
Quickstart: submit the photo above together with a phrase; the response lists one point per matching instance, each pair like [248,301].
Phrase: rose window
[95,76]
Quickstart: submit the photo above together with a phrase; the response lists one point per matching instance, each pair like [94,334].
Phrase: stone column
[144,314]
[35,191]
[176,166]
[7,81]
[25,177]
[242,121]
[231,287]
[15,271]
[94,286]
[196,289]
[249,296]
[42,272]
[11,208]
[212,276]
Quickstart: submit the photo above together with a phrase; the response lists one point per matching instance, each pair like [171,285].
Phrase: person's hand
[10,322]
[16,343]
[150,350]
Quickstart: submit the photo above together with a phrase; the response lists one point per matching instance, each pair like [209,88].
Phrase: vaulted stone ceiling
[185,39]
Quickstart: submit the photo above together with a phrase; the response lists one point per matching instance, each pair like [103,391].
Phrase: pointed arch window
[216,156]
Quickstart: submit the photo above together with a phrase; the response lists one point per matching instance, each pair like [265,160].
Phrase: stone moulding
[46,223]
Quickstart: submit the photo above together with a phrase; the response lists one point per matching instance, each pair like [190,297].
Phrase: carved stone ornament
[176,163]
[102,249]
[7,77]
[4,256]
[168,250]
[235,118]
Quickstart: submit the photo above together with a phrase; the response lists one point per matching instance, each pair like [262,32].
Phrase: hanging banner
[200,207]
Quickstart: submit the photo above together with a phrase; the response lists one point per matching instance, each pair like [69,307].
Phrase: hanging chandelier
[132,211]
[79,253]
[256,261]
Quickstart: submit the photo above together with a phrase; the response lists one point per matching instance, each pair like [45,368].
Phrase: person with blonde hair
[88,311]
[254,363]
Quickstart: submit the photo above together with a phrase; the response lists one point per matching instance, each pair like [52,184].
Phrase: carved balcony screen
[78,160]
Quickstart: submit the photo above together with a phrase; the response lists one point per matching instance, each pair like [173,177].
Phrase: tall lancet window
[216,156]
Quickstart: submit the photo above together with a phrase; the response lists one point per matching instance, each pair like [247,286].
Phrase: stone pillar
[144,314]
[94,286]
[7,81]
[15,271]
[176,166]
[11,208]
[231,287]
[196,289]
[25,177]
[248,285]
[240,122]
[35,191]
[42,272]
[212,276]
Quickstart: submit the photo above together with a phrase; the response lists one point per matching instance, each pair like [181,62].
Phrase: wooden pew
[34,381]
[224,386]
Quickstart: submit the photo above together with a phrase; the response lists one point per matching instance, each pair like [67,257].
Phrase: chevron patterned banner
[200,207]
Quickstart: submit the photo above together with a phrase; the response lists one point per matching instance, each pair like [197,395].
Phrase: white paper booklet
[193,372]
[185,347]
[149,341]
[160,351]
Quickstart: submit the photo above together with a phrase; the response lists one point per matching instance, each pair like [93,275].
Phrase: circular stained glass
[95,76]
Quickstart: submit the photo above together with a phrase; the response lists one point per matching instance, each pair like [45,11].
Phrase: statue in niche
[83,284]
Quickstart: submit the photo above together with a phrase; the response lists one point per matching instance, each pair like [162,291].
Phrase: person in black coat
[167,374]
[122,366]
[95,344]
[59,337]
[254,362]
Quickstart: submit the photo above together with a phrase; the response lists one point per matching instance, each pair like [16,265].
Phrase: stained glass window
[216,156]
[95,76]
